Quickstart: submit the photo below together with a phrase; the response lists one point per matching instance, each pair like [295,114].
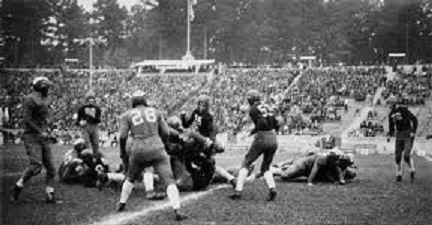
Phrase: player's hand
[388,138]
[412,134]
[82,123]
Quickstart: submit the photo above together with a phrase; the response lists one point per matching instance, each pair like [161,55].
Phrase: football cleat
[179,216]
[398,178]
[236,195]
[121,207]
[15,193]
[272,195]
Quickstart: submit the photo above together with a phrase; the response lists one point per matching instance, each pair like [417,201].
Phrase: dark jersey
[90,113]
[36,112]
[194,152]
[86,161]
[263,118]
[203,122]
[401,119]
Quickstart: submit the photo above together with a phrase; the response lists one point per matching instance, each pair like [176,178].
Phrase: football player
[403,125]
[331,167]
[36,138]
[264,143]
[80,165]
[147,125]
[89,117]
[201,118]
[191,160]
[203,121]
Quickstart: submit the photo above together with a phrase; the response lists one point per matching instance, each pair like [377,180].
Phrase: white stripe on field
[123,218]
[12,174]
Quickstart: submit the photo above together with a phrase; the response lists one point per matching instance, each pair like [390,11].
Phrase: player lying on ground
[80,165]
[323,167]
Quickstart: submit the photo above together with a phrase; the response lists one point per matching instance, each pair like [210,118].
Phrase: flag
[191,5]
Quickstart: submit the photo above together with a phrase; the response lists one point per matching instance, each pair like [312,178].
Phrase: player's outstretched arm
[314,172]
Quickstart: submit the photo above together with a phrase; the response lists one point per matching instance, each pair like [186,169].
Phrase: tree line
[46,32]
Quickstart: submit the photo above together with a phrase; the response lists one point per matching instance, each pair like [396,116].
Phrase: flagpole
[188,27]
[91,63]
[188,55]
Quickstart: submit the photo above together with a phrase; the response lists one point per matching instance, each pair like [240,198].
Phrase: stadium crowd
[109,87]
[317,96]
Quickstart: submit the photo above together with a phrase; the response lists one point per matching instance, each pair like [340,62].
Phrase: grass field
[372,198]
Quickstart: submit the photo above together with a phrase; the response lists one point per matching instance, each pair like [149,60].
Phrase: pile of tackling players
[189,155]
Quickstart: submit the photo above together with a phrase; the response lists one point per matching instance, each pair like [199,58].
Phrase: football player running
[146,125]
[264,143]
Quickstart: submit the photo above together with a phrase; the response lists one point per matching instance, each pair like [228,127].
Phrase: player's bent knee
[407,157]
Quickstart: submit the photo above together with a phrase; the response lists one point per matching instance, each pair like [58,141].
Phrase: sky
[88,4]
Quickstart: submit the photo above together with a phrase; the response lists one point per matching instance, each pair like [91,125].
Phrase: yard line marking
[11,174]
[122,218]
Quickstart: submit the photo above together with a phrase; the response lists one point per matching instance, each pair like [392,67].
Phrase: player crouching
[191,156]
[79,165]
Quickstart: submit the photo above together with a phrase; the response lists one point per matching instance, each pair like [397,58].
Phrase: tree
[27,23]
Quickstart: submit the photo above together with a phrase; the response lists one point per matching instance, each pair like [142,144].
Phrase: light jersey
[143,122]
